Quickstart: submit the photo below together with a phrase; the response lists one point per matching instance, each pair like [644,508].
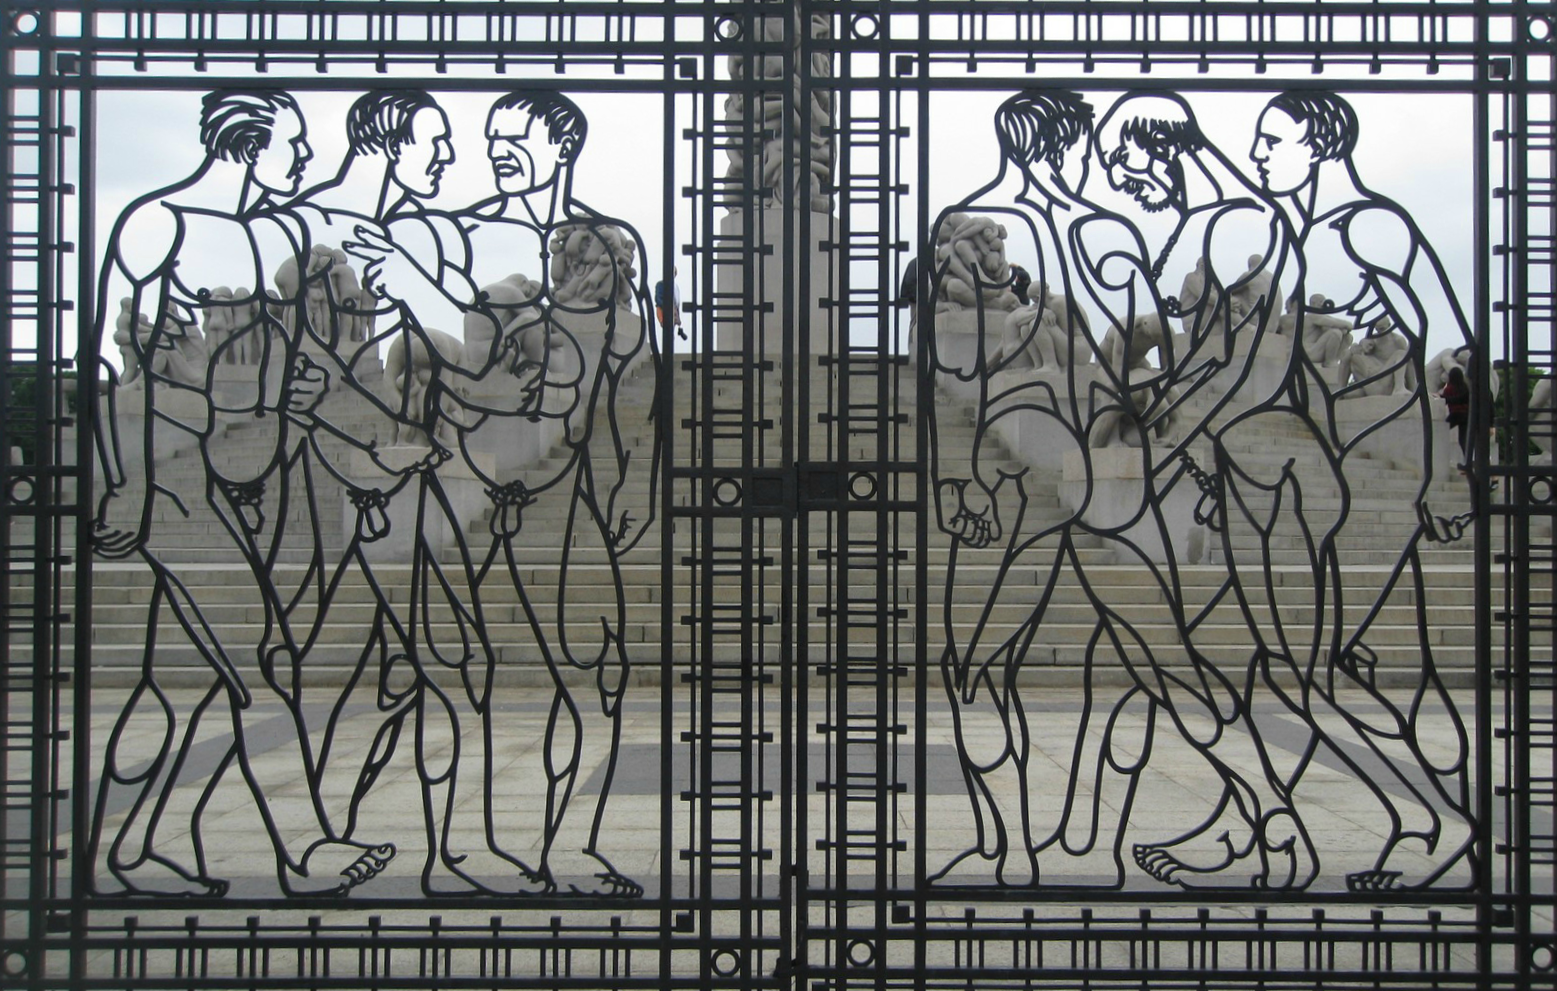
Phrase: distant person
[1020,282]
[1456,395]
[908,292]
[668,310]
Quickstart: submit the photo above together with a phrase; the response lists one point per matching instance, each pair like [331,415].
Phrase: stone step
[1285,553]
[330,664]
[973,578]
[1229,647]
[1296,604]
[125,622]
[645,570]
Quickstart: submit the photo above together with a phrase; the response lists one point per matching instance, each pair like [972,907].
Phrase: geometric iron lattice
[748,494]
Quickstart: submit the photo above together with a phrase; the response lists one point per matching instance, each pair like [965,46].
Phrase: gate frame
[1497,53]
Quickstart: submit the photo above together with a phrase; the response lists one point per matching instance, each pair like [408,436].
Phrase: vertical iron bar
[1483,532]
[924,312]
[1519,551]
[45,642]
[794,565]
[665,426]
[86,426]
[841,604]
[797,418]
[10,679]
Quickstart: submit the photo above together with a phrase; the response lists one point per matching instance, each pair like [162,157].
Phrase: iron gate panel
[875,625]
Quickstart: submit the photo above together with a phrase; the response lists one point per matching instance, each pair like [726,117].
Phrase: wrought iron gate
[898,616]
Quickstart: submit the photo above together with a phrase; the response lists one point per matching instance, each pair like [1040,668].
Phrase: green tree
[1500,409]
[20,402]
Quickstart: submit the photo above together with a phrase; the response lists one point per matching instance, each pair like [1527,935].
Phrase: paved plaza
[1175,791]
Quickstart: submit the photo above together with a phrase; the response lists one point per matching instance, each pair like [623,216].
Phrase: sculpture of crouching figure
[331,279]
[1377,365]
[234,332]
[176,355]
[971,252]
[409,372]
[1193,298]
[1042,335]
[1255,286]
[592,264]
[1324,337]
[1125,354]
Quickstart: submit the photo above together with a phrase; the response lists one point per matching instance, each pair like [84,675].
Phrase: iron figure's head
[1142,142]
[263,129]
[1296,132]
[531,137]
[1048,128]
[411,129]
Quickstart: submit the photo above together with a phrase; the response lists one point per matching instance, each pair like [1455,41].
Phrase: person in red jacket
[1456,395]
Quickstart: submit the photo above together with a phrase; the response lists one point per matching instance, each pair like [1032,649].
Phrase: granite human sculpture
[1031,339]
[411,365]
[1255,287]
[1438,368]
[1380,364]
[1126,353]
[334,301]
[1324,337]
[780,143]
[592,265]
[229,324]
[970,250]
[170,351]
[1192,298]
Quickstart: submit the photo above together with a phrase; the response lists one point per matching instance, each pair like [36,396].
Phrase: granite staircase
[1381,519]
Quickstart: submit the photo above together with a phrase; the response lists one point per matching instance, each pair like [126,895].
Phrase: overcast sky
[1414,149]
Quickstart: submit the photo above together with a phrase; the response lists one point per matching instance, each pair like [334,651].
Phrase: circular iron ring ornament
[1543,957]
[26,23]
[727,963]
[728,29]
[726,492]
[22,491]
[861,953]
[14,964]
[1540,491]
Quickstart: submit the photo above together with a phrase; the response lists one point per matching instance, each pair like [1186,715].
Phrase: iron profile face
[747,494]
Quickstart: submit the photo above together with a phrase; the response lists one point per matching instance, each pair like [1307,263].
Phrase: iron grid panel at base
[799,730]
